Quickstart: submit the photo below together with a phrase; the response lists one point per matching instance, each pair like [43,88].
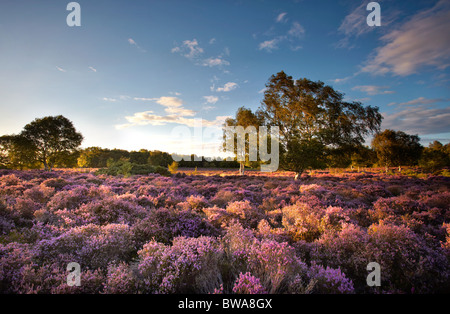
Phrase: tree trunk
[241,168]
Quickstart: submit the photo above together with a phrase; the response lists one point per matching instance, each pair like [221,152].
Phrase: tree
[245,140]
[363,157]
[434,157]
[17,152]
[396,148]
[313,119]
[51,137]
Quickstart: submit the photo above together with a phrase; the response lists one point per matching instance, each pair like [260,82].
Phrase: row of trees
[54,142]
[318,129]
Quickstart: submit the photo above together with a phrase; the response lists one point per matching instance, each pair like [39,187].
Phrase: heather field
[222,233]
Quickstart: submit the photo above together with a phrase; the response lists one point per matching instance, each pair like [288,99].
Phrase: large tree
[313,119]
[51,137]
[245,140]
[396,148]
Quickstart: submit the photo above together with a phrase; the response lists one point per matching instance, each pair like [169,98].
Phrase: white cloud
[60,69]
[174,105]
[227,87]
[269,45]
[109,99]
[292,36]
[211,99]
[212,41]
[176,113]
[422,41]
[218,61]
[132,42]
[189,49]
[341,80]
[145,99]
[373,89]
[93,69]
[281,17]
[148,118]
[296,30]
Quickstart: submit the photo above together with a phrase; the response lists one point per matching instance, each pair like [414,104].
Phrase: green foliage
[396,148]
[126,168]
[363,156]
[435,157]
[313,119]
[17,152]
[50,137]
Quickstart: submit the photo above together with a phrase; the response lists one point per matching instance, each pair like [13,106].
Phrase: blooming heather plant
[224,233]
[248,284]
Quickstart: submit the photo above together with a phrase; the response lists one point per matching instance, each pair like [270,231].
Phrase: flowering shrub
[189,265]
[248,284]
[209,233]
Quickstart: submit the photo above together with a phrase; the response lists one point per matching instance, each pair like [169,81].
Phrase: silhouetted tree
[51,137]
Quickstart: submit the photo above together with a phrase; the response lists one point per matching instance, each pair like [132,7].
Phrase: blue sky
[137,72]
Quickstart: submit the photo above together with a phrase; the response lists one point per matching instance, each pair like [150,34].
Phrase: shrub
[190,265]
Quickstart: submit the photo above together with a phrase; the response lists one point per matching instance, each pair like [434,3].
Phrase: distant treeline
[96,157]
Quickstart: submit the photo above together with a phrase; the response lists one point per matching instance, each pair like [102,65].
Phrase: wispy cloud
[60,69]
[281,17]
[132,42]
[189,49]
[269,45]
[422,101]
[218,61]
[109,99]
[295,32]
[341,80]
[419,120]
[192,51]
[422,41]
[227,87]
[93,69]
[211,99]
[373,89]
[355,25]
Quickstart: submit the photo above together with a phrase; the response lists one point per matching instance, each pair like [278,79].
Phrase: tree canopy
[396,148]
[51,140]
[313,119]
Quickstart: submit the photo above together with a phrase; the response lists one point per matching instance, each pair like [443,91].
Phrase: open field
[216,232]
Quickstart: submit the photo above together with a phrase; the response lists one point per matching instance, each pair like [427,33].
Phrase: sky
[163,75]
